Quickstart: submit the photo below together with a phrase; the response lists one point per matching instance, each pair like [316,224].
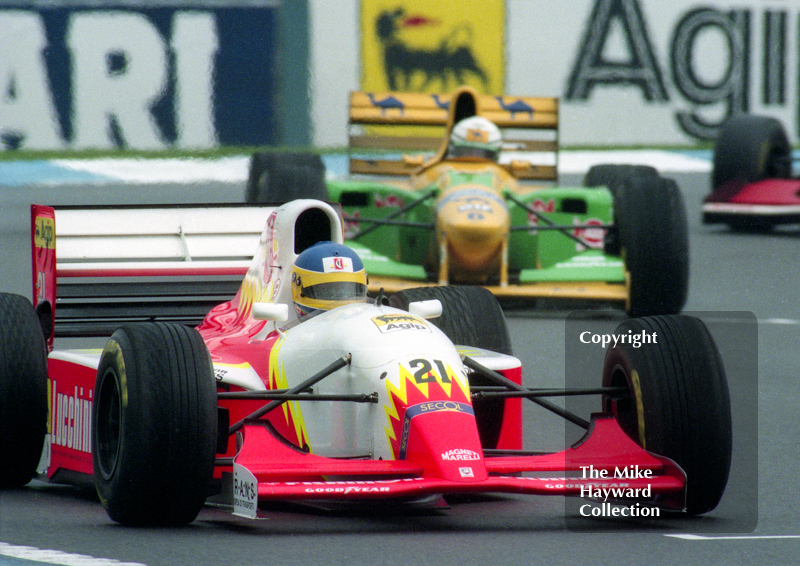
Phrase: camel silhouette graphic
[388,103]
[515,107]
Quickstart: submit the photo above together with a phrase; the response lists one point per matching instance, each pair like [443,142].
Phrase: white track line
[785,321]
[57,557]
[732,537]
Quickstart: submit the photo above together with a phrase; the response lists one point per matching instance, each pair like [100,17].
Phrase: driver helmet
[327,275]
[475,137]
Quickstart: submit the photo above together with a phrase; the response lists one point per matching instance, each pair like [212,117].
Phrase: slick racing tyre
[154,425]
[749,149]
[23,391]
[678,405]
[613,175]
[277,178]
[471,316]
[652,236]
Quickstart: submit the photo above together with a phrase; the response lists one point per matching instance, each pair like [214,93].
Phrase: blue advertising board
[139,75]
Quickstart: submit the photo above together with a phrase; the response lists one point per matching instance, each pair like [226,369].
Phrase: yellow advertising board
[432,46]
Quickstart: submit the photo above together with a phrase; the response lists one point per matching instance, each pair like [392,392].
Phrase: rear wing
[128,263]
[406,122]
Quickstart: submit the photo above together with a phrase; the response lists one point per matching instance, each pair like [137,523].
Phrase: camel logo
[416,47]
[590,231]
[386,104]
[515,107]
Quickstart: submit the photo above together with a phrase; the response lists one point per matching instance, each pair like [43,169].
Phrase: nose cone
[474,221]
[446,444]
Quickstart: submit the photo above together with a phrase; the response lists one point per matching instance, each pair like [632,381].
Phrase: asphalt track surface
[746,288]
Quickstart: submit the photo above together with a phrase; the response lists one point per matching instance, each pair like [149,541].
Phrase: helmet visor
[483,152]
[335,291]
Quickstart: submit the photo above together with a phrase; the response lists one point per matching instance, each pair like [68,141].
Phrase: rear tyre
[678,405]
[154,423]
[23,391]
[749,149]
[652,234]
[281,177]
[471,316]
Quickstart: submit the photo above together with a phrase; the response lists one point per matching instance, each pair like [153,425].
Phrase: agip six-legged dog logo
[450,63]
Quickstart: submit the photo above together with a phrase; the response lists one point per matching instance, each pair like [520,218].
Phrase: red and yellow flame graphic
[420,381]
[292,426]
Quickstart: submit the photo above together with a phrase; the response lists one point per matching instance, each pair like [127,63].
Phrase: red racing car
[399,399]
[752,187]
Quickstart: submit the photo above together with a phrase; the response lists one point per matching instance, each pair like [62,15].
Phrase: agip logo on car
[387,323]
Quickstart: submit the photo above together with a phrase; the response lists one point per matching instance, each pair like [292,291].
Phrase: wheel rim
[625,408]
[776,165]
[108,425]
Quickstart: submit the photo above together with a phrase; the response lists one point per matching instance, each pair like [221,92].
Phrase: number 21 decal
[425,373]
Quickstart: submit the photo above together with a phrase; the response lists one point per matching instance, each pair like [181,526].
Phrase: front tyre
[154,425]
[678,405]
[23,391]
[653,236]
[614,175]
[751,148]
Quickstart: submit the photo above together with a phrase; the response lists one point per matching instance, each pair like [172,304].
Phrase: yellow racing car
[462,189]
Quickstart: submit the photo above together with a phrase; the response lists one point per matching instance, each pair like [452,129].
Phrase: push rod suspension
[567,232]
[485,392]
[269,395]
[386,222]
[396,213]
[317,377]
[503,380]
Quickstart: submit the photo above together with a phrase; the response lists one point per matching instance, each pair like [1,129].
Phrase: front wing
[773,200]
[266,469]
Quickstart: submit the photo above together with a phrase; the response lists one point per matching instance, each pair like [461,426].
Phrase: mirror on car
[271,311]
[426,309]
[413,160]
